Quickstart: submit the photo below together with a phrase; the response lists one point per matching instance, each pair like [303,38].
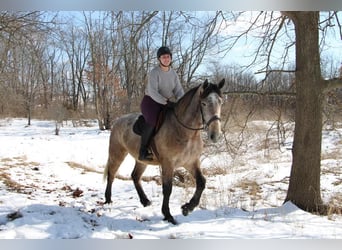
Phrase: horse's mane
[186,99]
[189,94]
[209,88]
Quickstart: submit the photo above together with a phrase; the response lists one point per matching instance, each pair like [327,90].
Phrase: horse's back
[125,122]
[122,135]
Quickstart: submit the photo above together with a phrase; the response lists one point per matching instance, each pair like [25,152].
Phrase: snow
[51,187]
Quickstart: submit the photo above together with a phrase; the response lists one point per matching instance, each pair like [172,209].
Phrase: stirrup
[146,156]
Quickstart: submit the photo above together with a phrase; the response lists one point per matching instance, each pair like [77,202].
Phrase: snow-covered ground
[51,187]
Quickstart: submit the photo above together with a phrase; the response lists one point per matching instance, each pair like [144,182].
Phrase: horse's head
[211,102]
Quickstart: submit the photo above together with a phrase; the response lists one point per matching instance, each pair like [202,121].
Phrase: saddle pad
[138,126]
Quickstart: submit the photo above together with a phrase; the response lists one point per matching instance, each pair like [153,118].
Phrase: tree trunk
[304,187]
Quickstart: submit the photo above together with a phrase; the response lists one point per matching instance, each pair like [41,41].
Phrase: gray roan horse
[178,143]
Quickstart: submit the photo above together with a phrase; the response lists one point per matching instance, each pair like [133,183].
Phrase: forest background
[91,64]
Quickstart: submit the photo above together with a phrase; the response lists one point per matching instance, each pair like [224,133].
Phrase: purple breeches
[150,110]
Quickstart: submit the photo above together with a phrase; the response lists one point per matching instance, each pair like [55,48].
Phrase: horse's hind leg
[200,185]
[138,170]
[113,164]
[167,174]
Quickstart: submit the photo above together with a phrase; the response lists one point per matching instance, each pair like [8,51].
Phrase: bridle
[205,124]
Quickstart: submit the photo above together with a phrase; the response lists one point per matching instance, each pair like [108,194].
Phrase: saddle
[138,126]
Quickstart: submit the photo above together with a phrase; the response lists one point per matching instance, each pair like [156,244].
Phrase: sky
[176,4]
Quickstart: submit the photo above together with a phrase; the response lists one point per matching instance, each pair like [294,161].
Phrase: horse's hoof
[186,209]
[171,220]
[146,203]
[107,202]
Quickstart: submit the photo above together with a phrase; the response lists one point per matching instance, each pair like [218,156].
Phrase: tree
[134,32]
[103,68]
[73,41]
[22,63]
[304,187]
[274,31]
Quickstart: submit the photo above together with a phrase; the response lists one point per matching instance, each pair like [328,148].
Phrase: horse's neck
[189,113]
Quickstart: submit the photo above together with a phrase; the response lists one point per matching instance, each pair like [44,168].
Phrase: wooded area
[95,64]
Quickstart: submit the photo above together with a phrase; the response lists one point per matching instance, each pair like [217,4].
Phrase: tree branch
[277,93]
[338,24]
[275,70]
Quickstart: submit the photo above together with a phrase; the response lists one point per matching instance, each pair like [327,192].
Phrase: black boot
[144,154]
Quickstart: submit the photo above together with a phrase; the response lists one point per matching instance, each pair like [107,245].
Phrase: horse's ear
[205,84]
[221,83]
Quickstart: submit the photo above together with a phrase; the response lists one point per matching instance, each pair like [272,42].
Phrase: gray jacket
[163,85]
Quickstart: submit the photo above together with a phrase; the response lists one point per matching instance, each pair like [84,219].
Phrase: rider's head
[164,56]
[163,51]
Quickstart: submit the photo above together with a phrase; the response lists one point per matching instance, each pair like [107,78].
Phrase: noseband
[214,118]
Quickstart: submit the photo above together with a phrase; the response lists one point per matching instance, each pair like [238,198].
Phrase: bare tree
[75,44]
[29,71]
[192,36]
[135,35]
[103,66]
[22,52]
[304,187]
[309,86]
[205,41]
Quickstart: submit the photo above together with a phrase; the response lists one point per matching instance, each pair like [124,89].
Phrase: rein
[205,124]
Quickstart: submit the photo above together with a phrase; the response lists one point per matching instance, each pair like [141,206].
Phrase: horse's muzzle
[214,136]
[214,130]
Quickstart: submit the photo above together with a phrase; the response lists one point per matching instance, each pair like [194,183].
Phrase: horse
[178,143]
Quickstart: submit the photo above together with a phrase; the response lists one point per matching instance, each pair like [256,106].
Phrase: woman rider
[163,84]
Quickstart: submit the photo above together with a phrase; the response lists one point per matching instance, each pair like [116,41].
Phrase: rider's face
[165,59]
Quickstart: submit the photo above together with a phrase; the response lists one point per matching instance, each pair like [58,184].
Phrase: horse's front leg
[167,173]
[136,176]
[200,185]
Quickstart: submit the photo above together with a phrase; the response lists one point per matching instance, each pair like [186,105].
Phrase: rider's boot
[144,153]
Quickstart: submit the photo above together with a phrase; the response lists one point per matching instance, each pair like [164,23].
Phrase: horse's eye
[204,104]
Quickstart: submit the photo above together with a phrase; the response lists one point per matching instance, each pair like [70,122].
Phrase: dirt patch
[76,165]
